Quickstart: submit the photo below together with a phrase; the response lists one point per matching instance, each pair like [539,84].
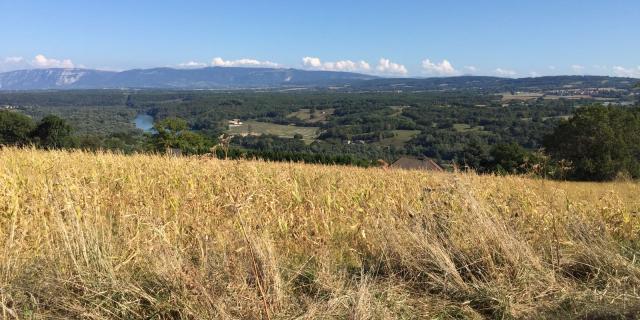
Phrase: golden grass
[105,236]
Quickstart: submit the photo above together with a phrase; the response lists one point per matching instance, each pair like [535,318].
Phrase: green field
[398,110]
[520,96]
[319,115]
[401,137]
[257,128]
[463,127]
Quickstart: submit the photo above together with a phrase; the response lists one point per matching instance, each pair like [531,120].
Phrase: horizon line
[314,70]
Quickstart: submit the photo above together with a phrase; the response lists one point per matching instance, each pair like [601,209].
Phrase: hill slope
[495,84]
[253,78]
[111,236]
[168,78]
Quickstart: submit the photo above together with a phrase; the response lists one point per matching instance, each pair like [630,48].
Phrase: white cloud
[534,74]
[40,61]
[219,62]
[626,72]
[13,59]
[348,65]
[386,66]
[311,62]
[342,65]
[444,68]
[112,69]
[505,72]
[577,68]
[192,64]
[13,63]
[471,69]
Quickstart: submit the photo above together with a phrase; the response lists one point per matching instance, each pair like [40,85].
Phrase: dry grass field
[104,236]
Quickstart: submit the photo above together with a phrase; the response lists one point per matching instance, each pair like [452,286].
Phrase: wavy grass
[107,236]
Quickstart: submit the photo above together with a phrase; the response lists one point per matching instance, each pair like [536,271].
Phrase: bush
[15,128]
[53,132]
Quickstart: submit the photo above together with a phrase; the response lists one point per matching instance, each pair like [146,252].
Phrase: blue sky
[395,38]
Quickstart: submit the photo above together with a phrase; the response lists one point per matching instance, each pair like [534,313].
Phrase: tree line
[53,132]
[596,143]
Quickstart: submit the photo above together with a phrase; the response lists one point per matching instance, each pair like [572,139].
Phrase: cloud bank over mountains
[627,72]
[383,67]
[39,61]
[443,68]
[386,66]
[219,62]
[342,65]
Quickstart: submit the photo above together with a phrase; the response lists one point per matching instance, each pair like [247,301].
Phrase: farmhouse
[408,163]
[235,123]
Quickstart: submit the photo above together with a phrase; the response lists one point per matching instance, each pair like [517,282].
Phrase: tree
[53,132]
[193,143]
[174,133]
[475,155]
[600,142]
[510,158]
[168,132]
[15,128]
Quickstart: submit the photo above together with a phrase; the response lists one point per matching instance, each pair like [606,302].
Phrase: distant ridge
[256,78]
[168,78]
[496,84]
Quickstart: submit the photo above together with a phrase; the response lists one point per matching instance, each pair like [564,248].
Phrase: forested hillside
[504,133]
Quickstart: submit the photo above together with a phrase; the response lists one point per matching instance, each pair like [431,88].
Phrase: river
[144,122]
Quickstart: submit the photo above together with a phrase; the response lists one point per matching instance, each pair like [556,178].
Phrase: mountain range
[254,78]
[168,78]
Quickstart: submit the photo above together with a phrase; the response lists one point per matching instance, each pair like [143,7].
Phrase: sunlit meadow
[108,236]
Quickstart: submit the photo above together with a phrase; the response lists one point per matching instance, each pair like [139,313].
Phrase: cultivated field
[520,96]
[285,131]
[319,115]
[399,139]
[463,127]
[126,237]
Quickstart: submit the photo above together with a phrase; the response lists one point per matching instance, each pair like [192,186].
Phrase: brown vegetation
[119,237]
